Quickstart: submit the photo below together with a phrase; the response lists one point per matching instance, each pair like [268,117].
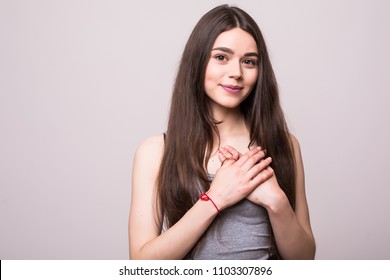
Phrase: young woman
[226,181]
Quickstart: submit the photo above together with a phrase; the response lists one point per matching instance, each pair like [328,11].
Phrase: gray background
[83,82]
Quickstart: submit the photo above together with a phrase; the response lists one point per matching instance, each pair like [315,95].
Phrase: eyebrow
[228,50]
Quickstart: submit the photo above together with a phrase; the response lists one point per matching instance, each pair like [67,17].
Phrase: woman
[226,180]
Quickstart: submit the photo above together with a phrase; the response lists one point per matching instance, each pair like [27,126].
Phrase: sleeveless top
[241,231]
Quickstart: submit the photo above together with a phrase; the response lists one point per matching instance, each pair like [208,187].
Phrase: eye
[250,62]
[220,57]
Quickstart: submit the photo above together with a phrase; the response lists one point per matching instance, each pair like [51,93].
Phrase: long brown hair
[189,138]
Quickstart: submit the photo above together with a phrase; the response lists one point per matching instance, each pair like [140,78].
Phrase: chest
[215,162]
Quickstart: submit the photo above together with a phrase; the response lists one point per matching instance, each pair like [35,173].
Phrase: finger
[224,159]
[235,154]
[224,153]
[253,160]
[221,157]
[225,156]
[257,168]
[260,178]
[247,156]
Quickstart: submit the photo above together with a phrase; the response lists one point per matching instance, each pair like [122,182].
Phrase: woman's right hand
[238,176]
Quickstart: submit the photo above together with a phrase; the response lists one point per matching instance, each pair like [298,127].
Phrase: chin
[230,106]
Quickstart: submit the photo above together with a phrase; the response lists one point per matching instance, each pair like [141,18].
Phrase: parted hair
[189,136]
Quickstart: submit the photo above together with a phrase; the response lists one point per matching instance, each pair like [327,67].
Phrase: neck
[232,126]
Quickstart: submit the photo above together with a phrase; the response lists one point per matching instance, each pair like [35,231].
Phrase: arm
[145,237]
[292,230]
[145,223]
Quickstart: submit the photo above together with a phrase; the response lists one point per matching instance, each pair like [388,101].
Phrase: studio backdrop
[83,82]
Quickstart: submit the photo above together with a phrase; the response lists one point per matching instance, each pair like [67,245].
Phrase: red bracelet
[205,197]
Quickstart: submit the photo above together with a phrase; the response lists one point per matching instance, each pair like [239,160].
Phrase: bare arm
[145,237]
[292,230]
[145,225]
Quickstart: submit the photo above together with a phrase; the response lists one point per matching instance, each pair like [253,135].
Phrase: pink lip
[232,88]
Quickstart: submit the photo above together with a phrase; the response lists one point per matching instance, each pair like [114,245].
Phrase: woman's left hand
[267,193]
[291,228]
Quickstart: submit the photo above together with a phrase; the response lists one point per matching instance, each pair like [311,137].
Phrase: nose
[235,71]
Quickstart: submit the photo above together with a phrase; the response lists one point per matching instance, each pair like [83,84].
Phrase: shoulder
[296,150]
[152,145]
[149,152]
[294,143]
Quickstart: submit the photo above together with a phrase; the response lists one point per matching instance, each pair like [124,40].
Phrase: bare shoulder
[153,145]
[294,142]
[143,212]
[297,153]
[149,152]
[296,147]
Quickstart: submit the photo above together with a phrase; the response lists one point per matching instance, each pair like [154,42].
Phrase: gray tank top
[241,231]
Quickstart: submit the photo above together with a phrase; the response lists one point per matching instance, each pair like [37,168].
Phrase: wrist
[206,197]
[277,204]
[217,198]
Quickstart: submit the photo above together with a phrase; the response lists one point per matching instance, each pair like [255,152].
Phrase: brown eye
[220,57]
[250,62]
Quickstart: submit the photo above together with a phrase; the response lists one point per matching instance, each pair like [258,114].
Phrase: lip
[232,88]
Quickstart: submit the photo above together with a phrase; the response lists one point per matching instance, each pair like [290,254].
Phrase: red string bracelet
[205,197]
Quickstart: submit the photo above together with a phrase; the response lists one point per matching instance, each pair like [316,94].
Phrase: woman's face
[232,69]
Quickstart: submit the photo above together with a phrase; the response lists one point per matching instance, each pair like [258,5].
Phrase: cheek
[252,78]
[211,77]
[211,72]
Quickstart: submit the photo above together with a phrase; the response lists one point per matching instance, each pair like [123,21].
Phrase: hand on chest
[214,162]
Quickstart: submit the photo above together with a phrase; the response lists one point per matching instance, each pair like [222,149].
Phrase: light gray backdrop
[83,82]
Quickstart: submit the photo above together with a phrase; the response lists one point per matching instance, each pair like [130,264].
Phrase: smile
[232,88]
